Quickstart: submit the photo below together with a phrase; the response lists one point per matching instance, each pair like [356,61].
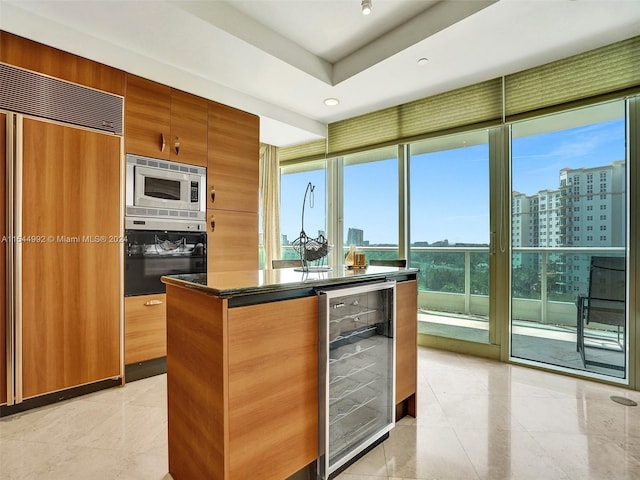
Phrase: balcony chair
[389,263]
[604,305]
[286,263]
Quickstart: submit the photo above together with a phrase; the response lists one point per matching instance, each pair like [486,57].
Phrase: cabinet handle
[150,303]
[213,224]
[177,145]
[163,143]
[213,195]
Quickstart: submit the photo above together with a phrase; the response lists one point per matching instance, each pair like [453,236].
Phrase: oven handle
[151,303]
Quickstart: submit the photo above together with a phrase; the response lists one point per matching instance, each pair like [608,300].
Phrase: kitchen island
[242,368]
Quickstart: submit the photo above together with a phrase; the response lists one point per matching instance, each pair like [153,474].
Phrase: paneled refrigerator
[61,237]
[356,371]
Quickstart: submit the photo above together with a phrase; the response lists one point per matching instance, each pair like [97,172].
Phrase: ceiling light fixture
[423,61]
[366,7]
[331,102]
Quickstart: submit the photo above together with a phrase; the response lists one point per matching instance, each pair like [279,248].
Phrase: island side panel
[273,388]
[196,384]
[406,347]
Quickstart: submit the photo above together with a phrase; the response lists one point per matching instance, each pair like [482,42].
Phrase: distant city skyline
[449,189]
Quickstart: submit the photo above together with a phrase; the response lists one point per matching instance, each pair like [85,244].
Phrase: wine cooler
[357,368]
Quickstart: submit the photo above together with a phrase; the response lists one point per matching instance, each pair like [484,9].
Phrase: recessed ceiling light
[331,102]
[423,61]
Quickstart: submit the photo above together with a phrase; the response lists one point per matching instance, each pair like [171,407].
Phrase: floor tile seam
[473,465]
[564,467]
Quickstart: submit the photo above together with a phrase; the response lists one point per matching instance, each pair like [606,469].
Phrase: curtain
[270,202]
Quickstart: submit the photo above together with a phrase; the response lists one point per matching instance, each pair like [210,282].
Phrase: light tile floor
[477,419]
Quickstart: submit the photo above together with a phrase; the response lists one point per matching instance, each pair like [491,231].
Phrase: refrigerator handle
[13,160]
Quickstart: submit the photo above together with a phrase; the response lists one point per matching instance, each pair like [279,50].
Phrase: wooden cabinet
[273,414]
[37,57]
[242,387]
[232,241]
[3,266]
[234,159]
[406,346]
[145,328]
[232,180]
[162,122]
[148,118]
[71,296]
[188,128]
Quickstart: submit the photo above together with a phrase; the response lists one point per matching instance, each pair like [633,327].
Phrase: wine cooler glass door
[357,331]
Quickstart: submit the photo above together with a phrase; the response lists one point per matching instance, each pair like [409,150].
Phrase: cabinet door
[70,282]
[3,256]
[406,342]
[273,388]
[234,159]
[232,241]
[145,328]
[148,118]
[188,128]
[34,56]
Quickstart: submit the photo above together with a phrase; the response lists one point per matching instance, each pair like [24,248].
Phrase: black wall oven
[150,254]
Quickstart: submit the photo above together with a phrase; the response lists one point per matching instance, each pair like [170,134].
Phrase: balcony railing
[455,280]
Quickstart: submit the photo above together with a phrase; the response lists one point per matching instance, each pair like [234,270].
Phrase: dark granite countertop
[252,282]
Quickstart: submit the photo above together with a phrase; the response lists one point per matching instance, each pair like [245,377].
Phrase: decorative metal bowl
[310,249]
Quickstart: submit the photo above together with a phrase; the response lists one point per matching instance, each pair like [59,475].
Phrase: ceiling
[281,58]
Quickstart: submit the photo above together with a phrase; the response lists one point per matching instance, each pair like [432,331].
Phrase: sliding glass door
[569,240]
[449,205]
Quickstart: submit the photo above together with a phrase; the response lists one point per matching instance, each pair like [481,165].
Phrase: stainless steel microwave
[162,188]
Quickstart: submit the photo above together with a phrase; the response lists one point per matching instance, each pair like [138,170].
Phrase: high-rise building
[587,210]
[355,236]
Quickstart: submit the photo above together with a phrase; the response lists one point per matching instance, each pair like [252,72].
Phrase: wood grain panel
[233,244]
[196,384]
[37,57]
[273,388]
[71,287]
[3,266]
[148,117]
[406,342]
[145,328]
[189,125]
[234,158]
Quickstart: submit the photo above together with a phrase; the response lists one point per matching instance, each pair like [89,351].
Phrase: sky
[449,191]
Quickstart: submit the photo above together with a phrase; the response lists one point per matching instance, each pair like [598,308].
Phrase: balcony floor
[547,344]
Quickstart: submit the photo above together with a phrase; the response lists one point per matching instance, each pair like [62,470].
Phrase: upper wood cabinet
[188,128]
[162,122]
[37,57]
[148,118]
[234,159]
